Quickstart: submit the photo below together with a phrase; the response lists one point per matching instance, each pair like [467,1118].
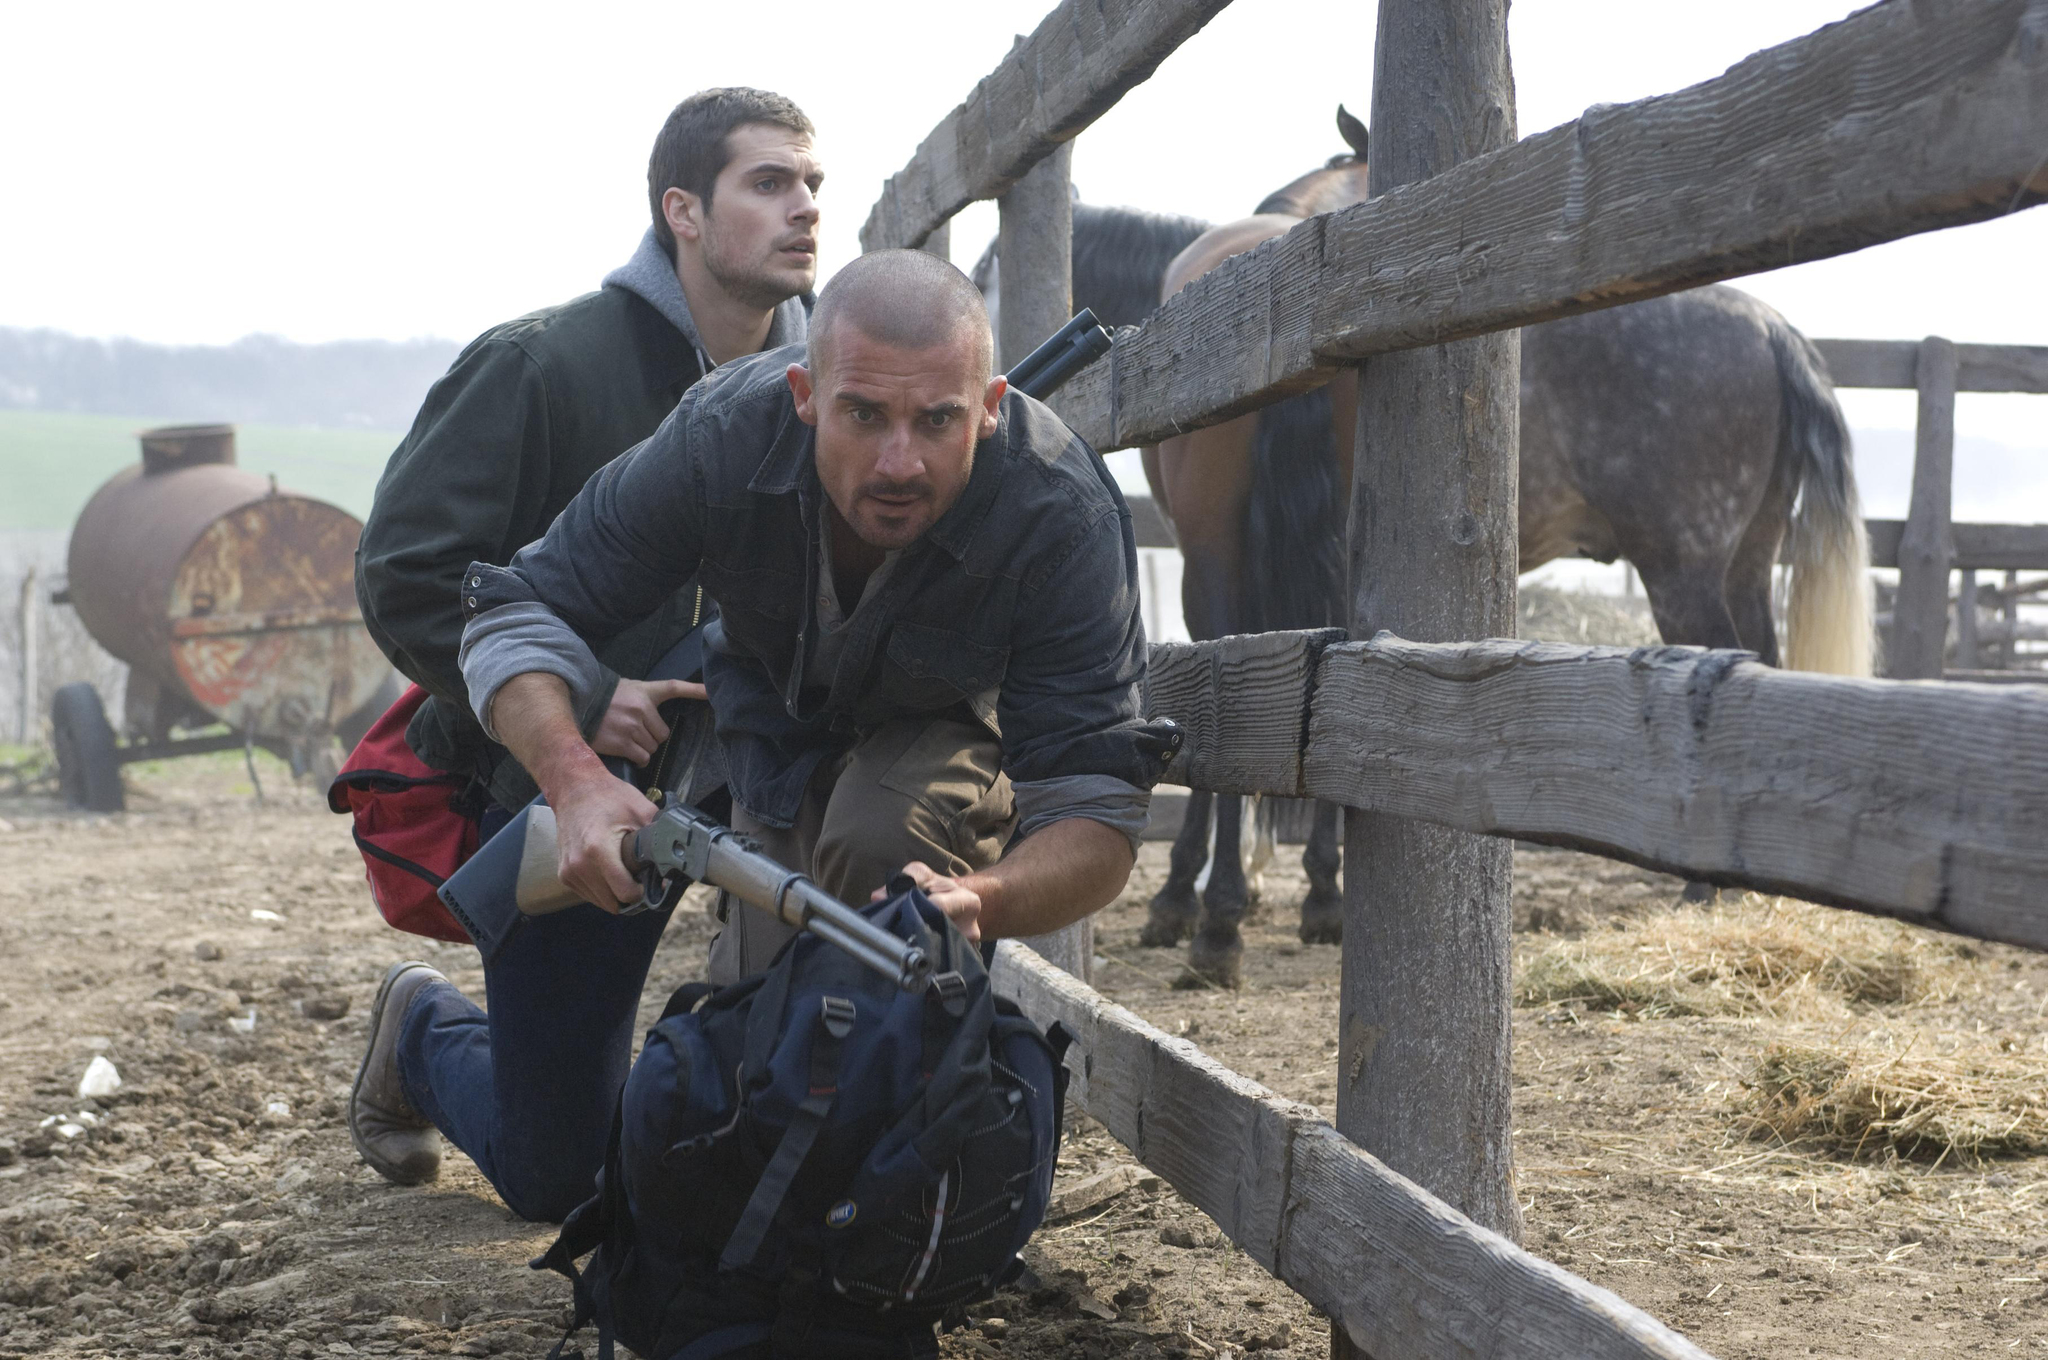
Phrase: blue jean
[527,1090]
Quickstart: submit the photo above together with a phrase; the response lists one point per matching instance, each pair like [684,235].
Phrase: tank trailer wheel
[88,758]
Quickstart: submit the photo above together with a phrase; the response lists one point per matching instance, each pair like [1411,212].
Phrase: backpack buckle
[836,1014]
[951,990]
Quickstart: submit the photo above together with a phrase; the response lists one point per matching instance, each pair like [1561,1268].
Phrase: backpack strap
[834,1023]
[685,998]
[586,1229]
[945,1003]
[582,1232]
[1059,1039]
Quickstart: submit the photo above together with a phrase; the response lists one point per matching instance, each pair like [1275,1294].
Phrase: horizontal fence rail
[1396,1269]
[1978,547]
[1903,118]
[1893,363]
[1927,802]
[1073,68]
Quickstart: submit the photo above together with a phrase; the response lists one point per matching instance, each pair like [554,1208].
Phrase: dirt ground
[222,955]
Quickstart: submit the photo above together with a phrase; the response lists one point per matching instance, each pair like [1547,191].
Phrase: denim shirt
[1026,588]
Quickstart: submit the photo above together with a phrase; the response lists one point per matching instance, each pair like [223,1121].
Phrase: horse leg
[1261,825]
[1687,602]
[1218,949]
[1206,476]
[1748,587]
[1322,911]
[1171,915]
[1749,603]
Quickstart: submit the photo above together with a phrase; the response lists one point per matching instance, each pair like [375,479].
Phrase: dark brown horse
[1692,435]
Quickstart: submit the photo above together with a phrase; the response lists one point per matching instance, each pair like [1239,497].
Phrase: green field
[51,463]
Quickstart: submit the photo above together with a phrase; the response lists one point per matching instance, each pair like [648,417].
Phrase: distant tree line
[347,384]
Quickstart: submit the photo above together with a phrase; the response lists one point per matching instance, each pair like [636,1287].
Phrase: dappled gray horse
[1696,435]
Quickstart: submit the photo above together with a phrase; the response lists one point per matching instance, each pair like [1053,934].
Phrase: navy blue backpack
[813,1163]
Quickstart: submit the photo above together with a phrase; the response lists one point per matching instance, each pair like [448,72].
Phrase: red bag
[412,823]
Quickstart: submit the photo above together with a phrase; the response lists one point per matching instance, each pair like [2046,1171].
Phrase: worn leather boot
[398,1144]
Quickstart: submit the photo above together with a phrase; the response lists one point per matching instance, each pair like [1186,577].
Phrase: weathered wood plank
[1966,620]
[1425,995]
[1902,118]
[1243,702]
[1927,802]
[1400,1273]
[1037,226]
[1997,677]
[1036,236]
[1978,547]
[1073,68]
[1919,634]
[1979,368]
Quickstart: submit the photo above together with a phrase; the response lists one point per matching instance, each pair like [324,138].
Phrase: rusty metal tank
[224,593]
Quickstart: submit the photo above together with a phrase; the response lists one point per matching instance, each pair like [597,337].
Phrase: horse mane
[1120,256]
[1303,197]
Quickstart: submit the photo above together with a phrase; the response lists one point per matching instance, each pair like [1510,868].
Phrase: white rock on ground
[101,1079]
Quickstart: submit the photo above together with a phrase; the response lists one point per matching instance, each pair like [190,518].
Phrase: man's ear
[992,405]
[805,394]
[684,212]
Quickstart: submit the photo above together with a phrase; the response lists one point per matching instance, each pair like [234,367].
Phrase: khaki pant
[929,789]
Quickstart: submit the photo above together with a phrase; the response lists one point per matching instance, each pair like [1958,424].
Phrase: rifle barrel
[1039,373]
[682,840]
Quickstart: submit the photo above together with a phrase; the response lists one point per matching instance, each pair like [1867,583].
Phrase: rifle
[515,875]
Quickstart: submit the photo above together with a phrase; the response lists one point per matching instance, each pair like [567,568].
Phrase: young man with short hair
[530,410]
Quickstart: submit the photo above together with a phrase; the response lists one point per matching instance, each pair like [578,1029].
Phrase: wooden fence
[1926,546]
[1880,796]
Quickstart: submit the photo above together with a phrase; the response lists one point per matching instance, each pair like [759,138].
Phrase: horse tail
[1294,527]
[1828,614]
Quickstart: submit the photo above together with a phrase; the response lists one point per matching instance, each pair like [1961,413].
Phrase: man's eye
[767,186]
[863,416]
[938,420]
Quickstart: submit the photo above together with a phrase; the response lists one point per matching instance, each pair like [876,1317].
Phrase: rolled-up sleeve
[1103,798]
[521,639]
[1075,739]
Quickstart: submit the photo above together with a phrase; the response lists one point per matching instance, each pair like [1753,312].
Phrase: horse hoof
[1322,917]
[1214,963]
[1322,927]
[1695,891]
[1168,921]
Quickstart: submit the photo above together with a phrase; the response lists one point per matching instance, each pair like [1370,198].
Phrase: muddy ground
[222,955]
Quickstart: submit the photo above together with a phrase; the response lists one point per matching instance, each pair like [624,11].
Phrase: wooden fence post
[1966,620]
[2009,613]
[940,241]
[30,662]
[1423,1077]
[1926,548]
[1035,243]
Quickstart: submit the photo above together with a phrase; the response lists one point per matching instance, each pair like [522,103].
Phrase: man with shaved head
[928,655]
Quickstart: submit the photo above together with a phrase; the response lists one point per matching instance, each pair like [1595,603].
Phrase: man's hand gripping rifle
[683,841]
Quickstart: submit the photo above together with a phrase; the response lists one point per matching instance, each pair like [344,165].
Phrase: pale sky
[200,171]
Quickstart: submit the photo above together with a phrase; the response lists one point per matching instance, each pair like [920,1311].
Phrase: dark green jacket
[524,418]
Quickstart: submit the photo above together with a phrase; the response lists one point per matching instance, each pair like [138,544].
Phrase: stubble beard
[748,281]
